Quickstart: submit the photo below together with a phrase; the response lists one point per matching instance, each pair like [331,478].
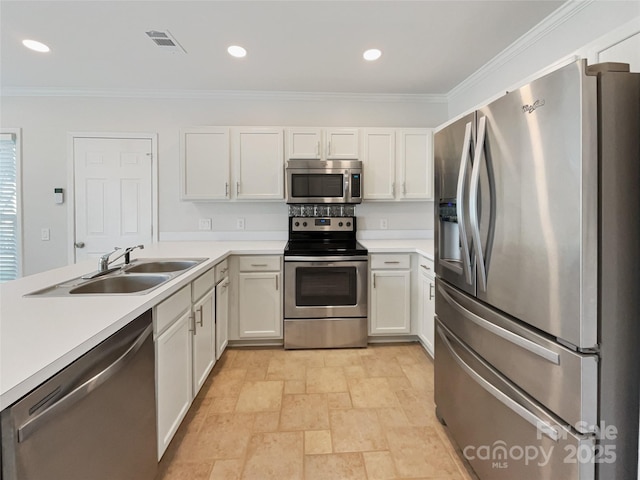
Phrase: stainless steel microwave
[324,181]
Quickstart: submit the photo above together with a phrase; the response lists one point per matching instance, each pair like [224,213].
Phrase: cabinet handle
[258,264]
[276,282]
[374,280]
[404,188]
[425,267]
[431,291]
[237,188]
[329,150]
[392,262]
[192,319]
[226,189]
[393,189]
[201,322]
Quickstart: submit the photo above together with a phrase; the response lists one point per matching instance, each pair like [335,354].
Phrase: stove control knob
[304,224]
[348,224]
[297,224]
[340,224]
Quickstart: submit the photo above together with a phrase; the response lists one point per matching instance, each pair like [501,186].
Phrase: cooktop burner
[323,236]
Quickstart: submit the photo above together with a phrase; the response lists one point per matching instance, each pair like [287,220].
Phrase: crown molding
[223,95]
[550,23]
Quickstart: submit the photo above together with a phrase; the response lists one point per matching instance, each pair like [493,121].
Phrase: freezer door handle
[460,208]
[541,425]
[473,202]
[84,389]
[514,338]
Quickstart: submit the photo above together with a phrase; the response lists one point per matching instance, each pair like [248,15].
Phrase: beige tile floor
[315,414]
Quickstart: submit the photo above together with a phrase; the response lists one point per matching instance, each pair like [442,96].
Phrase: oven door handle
[333,258]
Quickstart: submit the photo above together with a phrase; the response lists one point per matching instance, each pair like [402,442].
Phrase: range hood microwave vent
[166,41]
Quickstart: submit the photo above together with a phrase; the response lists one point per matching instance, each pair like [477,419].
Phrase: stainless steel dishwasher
[95,419]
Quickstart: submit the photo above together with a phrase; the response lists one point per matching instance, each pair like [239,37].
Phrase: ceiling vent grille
[165,41]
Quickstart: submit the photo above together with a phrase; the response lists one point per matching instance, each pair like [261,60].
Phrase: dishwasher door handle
[84,389]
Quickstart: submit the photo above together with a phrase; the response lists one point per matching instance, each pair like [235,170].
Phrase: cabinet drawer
[425,266]
[390,261]
[222,270]
[169,310]
[269,263]
[203,284]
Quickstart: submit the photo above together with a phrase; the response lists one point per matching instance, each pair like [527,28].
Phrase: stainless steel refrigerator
[537,228]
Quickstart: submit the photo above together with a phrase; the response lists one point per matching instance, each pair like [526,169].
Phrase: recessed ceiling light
[371,54]
[236,51]
[36,46]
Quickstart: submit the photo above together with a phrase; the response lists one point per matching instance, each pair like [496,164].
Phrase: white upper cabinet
[258,158]
[204,163]
[379,163]
[398,164]
[342,143]
[323,143]
[415,162]
[304,142]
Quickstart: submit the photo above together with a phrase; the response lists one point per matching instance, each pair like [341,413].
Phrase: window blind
[9,235]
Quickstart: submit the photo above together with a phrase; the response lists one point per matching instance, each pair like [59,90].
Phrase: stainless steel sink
[124,283]
[162,266]
[137,278]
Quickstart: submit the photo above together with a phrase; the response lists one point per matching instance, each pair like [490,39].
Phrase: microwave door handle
[460,208]
[473,202]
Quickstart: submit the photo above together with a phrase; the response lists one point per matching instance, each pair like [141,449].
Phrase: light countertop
[41,335]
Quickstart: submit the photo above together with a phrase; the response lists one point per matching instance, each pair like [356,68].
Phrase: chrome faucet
[103,263]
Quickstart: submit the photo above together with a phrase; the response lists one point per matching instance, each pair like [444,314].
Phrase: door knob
[79,244]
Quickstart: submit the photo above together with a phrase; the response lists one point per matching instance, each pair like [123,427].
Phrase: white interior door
[113,194]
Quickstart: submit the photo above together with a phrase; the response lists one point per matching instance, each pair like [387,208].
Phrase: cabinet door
[379,164]
[204,352]
[204,163]
[342,143]
[304,143]
[390,301]
[222,316]
[258,156]
[415,155]
[173,379]
[427,311]
[260,305]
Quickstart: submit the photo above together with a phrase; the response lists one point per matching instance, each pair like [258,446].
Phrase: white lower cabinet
[260,297]
[222,307]
[390,294]
[172,326]
[184,329]
[427,306]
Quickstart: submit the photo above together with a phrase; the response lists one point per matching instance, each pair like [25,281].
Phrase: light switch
[204,224]
[45,234]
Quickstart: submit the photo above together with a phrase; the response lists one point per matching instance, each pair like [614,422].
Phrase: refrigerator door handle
[460,209]
[473,202]
[514,338]
[542,426]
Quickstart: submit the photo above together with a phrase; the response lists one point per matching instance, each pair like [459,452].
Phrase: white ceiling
[428,47]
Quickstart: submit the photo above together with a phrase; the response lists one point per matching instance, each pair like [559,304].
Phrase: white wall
[46,121]
[579,29]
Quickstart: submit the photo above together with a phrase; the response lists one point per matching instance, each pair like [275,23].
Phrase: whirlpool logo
[531,108]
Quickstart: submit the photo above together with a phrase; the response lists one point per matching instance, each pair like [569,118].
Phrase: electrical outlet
[204,224]
[45,234]
[383,224]
[240,223]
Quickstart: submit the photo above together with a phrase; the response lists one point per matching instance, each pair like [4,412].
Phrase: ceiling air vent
[165,41]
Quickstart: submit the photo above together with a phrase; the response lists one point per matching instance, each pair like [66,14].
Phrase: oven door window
[326,286]
[316,185]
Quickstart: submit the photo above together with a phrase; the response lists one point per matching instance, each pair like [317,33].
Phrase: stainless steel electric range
[325,284]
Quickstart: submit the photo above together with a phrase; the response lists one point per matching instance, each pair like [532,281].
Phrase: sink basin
[121,284]
[162,266]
